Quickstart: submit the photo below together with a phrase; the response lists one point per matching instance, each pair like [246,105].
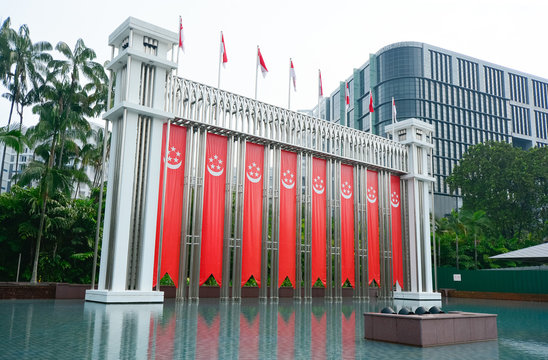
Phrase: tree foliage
[63,93]
[67,251]
[505,204]
[508,183]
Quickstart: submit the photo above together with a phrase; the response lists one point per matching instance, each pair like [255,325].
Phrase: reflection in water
[247,330]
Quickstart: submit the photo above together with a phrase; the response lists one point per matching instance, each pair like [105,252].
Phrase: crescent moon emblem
[215,173]
[173,167]
[372,201]
[318,191]
[346,196]
[395,204]
[254,181]
[288,186]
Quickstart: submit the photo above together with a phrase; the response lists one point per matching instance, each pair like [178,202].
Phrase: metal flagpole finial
[256,70]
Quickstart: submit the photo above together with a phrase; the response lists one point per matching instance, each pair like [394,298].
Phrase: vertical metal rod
[187,194]
[225,285]
[274,256]
[197,218]
[265,242]
[365,245]
[357,219]
[161,238]
[382,234]
[238,226]
[328,241]
[298,225]
[308,256]
[19,266]
[391,237]
[337,271]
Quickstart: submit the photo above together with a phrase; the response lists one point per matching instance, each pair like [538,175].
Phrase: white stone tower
[417,135]
[142,69]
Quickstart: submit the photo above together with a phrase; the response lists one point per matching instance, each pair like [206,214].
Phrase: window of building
[440,66]
[540,93]
[494,84]
[541,120]
[518,88]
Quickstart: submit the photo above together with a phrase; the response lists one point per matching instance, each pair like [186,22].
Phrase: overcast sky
[334,36]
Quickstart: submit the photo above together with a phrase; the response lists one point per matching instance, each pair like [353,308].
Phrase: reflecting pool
[67,329]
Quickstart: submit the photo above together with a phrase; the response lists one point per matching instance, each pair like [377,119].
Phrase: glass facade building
[468,101]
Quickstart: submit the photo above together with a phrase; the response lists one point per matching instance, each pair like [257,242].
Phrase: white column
[138,115]
[417,136]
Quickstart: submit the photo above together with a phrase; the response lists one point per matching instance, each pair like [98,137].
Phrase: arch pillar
[142,72]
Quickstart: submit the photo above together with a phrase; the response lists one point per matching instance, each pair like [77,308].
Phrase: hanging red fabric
[253,213]
[318,220]
[347,224]
[211,257]
[288,214]
[373,258]
[173,207]
[397,257]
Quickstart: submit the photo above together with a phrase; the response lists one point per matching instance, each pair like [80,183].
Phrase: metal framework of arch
[203,109]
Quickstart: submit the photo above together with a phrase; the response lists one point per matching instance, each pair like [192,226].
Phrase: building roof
[532,253]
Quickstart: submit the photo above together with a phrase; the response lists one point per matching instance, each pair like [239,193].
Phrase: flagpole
[220,62]
[179,45]
[256,72]
[289,88]
[370,114]
[393,120]
[319,93]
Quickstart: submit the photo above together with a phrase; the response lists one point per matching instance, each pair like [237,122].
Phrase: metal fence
[496,280]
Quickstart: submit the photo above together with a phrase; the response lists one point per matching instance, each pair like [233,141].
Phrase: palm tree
[78,62]
[96,155]
[5,57]
[50,180]
[453,224]
[29,61]
[11,138]
[475,221]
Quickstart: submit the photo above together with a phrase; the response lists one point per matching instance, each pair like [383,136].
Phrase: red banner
[318,220]
[211,257]
[347,224]
[288,214]
[173,207]
[397,257]
[373,258]
[253,213]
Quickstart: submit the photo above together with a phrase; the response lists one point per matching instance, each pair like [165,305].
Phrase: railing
[227,113]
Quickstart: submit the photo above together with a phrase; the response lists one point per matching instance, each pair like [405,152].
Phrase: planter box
[431,329]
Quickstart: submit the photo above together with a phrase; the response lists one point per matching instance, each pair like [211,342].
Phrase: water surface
[68,329]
